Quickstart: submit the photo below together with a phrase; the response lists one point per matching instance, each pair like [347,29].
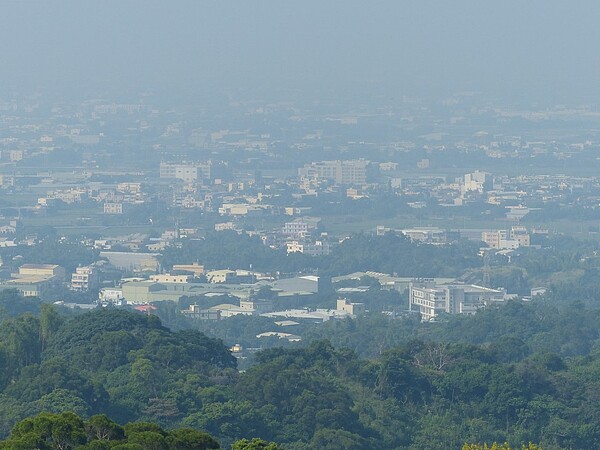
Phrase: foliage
[525,372]
[52,250]
[67,431]
[254,444]
[496,446]
[391,253]
[107,361]
[233,250]
[12,304]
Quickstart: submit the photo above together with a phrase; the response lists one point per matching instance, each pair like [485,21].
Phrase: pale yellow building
[195,268]
[42,270]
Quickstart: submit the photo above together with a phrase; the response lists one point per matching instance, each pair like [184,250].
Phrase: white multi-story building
[84,279]
[507,239]
[431,300]
[188,172]
[353,172]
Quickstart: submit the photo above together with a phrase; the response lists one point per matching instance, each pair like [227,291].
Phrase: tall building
[352,172]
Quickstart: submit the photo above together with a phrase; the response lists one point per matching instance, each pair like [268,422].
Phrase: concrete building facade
[84,279]
[431,299]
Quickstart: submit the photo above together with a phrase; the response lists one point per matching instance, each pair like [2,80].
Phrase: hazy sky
[541,48]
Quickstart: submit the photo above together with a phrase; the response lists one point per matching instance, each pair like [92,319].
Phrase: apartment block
[84,279]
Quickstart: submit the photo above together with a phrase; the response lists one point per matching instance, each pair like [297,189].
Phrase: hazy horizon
[539,50]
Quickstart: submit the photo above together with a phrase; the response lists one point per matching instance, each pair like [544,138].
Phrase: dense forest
[520,373]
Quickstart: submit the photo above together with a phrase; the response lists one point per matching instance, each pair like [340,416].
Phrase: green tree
[139,427]
[55,431]
[149,440]
[21,340]
[60,400]
[50,322]
[328,439]
[496,446]
[254,444]
[96,445]
[68,431]
[128,447]
[100,427]
[189,439]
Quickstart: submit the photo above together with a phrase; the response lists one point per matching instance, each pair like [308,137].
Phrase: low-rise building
[280,335]
[221,276]
[256,306]
[132,261]
[27,287]
[110,296]
[195,268]
[229,310]
[244,209]
[167,278]
[195,312]
[306,283]
[354,309]
[42,270]
[317,248]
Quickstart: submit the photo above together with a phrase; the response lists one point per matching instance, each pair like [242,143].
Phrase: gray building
[305,284]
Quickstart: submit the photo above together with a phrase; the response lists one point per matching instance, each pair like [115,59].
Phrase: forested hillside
[509,374]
